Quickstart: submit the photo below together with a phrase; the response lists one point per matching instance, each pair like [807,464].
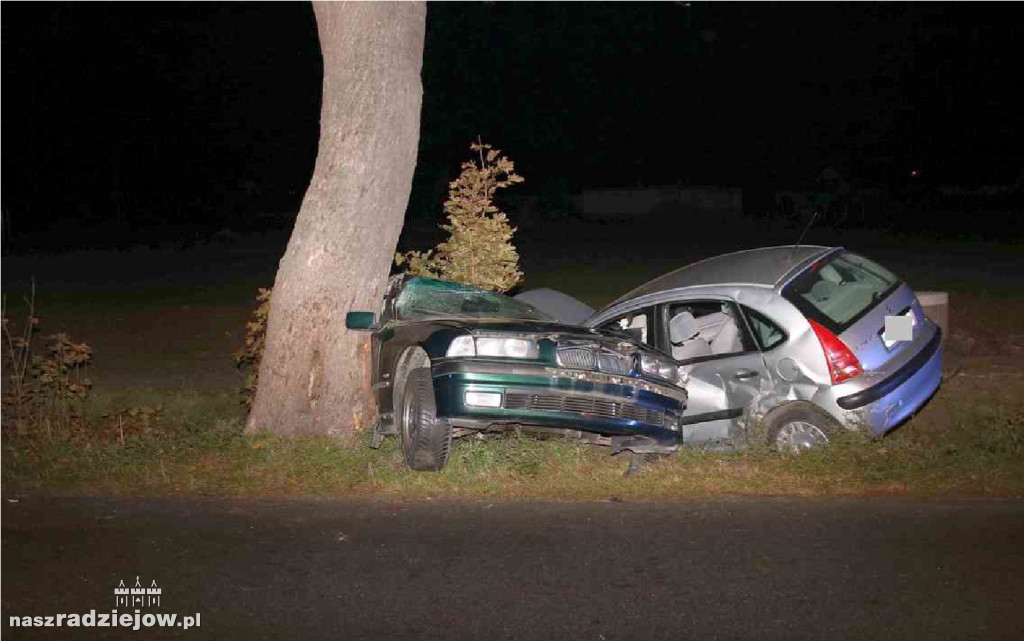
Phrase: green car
[451,360]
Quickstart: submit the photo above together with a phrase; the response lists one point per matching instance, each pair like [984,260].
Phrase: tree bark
[314,374]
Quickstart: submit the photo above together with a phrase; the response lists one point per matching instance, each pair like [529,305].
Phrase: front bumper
[638,414]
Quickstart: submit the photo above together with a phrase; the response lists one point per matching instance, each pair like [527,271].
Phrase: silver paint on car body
[795,370]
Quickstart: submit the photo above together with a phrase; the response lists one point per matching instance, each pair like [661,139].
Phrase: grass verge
[195,446]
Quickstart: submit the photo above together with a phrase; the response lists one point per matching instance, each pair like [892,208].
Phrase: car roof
[764,266]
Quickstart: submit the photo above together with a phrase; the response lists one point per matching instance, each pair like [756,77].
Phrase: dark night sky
[201,116]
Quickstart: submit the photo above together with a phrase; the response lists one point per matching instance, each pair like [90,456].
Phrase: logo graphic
[137,596]
[131,598]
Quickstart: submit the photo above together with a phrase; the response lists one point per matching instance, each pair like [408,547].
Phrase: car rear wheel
[426,439]
[795,428]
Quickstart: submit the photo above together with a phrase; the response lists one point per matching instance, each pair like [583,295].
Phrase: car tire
[426,439]
[795,428]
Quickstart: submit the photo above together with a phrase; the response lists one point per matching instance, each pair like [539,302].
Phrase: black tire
[426,440]
[797,427]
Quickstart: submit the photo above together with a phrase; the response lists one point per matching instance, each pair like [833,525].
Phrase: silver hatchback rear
[870,380]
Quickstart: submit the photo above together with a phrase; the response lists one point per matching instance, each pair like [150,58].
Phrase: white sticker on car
[898,328]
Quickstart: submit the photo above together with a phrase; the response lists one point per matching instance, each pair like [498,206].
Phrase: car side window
[636,324]
[767,333]
[708,328]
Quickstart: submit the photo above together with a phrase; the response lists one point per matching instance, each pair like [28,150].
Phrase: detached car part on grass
[786,344]
[451,360]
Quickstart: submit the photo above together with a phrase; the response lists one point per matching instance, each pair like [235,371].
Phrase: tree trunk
[314,375]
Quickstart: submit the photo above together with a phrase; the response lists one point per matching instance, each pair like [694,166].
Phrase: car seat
[709,325]
[686,343]
[721,332]
[822,291]
[728,339]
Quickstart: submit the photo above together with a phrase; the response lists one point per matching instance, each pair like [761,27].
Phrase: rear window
[839,290]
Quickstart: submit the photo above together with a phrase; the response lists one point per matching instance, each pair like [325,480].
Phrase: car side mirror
[361,321]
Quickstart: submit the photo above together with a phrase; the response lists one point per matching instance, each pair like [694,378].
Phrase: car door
[724,376]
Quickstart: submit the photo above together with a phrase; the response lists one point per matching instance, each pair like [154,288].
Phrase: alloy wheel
[799,436]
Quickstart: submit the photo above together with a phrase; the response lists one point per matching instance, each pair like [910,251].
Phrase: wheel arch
[790,405]
[771,421]
[412,357]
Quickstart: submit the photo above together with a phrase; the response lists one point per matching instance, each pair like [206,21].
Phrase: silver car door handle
[744,373]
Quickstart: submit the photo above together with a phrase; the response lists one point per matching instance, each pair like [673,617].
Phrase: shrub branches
[479,249]
[42,392]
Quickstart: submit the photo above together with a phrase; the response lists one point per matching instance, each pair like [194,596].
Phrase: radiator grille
[593,359]
[584,405]
[576,358]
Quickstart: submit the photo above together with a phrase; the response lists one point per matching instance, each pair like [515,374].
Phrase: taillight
[842,363]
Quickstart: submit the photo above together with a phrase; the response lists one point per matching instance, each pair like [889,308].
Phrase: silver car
[787,344]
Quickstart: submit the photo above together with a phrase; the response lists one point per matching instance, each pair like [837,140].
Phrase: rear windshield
[839,290]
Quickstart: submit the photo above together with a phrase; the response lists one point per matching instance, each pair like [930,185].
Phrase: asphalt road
[866,569]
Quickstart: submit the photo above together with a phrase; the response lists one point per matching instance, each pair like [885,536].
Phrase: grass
[196,447]
[969,441]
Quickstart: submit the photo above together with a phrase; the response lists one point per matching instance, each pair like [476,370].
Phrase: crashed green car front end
[496,363]
[632,410]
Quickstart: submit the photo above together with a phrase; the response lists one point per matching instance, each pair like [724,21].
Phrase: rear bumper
[636,418]
[896,379]
[891,401]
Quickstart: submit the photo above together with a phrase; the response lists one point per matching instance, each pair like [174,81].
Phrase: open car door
[726,370]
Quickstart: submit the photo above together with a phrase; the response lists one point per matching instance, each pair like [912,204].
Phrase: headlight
[506,347]
[498,346]
[462,346]
[659,367]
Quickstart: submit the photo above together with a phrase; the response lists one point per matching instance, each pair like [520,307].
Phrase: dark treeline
[153,123]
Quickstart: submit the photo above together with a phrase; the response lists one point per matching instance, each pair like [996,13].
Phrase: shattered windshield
[423,298]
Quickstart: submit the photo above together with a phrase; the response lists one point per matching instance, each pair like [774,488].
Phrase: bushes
[479,249]
[255,338]
[47,396]
[42,393]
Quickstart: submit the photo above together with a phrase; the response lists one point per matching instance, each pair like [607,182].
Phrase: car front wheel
[426,439]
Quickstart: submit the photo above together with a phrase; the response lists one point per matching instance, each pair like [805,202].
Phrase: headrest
[682,327]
